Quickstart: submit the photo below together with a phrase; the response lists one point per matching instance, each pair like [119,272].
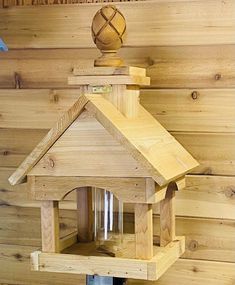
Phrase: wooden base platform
[120,266]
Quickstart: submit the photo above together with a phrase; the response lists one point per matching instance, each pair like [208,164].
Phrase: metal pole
[104,280]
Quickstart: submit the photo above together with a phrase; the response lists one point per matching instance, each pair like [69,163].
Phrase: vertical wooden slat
[50,226]
[85,217]
[167,218]
[144,231]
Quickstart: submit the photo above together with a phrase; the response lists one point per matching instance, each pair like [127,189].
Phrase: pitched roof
[143,137]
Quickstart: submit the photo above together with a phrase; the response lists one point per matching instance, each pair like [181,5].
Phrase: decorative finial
[108,31]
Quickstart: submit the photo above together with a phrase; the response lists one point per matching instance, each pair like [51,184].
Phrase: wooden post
[85,217]
[167,218]
[50,226]
[144,231]
[126,99]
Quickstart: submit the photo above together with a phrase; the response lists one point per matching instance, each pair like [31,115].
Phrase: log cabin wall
[188,48]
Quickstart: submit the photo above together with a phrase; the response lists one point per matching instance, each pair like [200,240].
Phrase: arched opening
[99,219]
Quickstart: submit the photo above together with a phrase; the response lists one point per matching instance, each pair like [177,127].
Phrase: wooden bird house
[107,141]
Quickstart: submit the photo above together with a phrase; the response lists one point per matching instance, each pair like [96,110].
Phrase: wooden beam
[50,226]
[56,188]
[109,79]
[144,231]
[84,214]
[167,217]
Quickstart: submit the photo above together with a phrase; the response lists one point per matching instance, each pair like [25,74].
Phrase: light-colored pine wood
[148,142]
[121,70]
[200,110]
[108,266]
[109,79]
[212,110]
[168,67]
[48,140]
[167,217]
[16,144]
[21,226]
[87,139]
[203,193]
[57,188]
[143,231]
[194,26]
[215,152]
[50,226]
[215,156]
[84,214]
[68,240]
[199,272]
[43,107]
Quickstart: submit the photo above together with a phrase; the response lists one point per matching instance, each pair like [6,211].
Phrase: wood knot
[49,163]
[195,269]
[193,245]
[17,80]
[54,97]
[18,256]
[194,95]
[6,152]
[218,76]
[230,192]
[150,61]
[207,171]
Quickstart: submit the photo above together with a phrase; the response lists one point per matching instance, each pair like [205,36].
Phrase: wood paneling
[214,151]
[20,226]
[9,3]
[208,22]
[200,110]
[16,144]
[168,67]
[199,199]
[34,108]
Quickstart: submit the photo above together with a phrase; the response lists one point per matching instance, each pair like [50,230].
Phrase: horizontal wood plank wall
[200,66]
[208,22]
[188,48]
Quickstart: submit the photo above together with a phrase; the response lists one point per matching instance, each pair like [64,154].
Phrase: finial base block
[109,59]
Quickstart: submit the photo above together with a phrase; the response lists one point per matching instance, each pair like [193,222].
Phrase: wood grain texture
[61,125]
[185,271]
[143,231]
[50,226]
[202,195]
[87,139]
[168,67]
[34,108]
[57,188]
[200,110]
[144,28]
[215,152]
[21,226]
[167,217]
[147,141]
[10,3]
[203,110]
[84,214]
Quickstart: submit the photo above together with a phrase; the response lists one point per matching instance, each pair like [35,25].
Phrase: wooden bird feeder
[107,141]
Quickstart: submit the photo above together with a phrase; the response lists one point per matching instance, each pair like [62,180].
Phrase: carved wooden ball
[108,28]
